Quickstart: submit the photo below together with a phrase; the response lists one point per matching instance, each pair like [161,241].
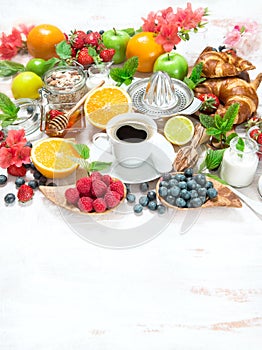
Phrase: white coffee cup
[129,137]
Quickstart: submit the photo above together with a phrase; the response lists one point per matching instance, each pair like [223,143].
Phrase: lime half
[179,130]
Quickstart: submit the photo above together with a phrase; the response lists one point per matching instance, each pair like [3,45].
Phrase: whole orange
[144,46]
[42,39]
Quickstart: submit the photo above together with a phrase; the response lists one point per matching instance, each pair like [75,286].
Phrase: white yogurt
[238,168]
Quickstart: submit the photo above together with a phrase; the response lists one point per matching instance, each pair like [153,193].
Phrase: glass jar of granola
[65,84]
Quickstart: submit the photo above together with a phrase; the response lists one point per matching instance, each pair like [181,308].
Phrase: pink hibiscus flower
[168,37]
[16,138]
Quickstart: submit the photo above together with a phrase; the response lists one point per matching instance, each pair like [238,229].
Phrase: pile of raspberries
[95,193]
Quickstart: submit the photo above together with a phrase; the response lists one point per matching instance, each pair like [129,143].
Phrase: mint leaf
[9,68]
[83,150]
[97,166]
[117,74]
[219,121]
[7,106]
[215,177]
[195,76]
[126,73]
[129,31]
[213,132]
[214,158]
[63,50]
[240,146]
[51,63]
[207,121]
[230,115]
[130,66]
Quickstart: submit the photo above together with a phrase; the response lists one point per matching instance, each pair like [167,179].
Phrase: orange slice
[104,103]
[51,157]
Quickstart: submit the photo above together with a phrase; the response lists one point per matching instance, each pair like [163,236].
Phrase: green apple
[116,39]
[174,64]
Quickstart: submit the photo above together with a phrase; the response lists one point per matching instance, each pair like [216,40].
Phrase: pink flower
[22,155]
[233,38]
[189,19]
[150,24]
[168,37]
[16,138]
[6,157]
[25,29]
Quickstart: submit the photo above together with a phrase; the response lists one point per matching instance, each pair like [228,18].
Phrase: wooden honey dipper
[60,122]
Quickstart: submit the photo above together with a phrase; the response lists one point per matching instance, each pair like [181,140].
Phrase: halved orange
[104,103]
[51,156]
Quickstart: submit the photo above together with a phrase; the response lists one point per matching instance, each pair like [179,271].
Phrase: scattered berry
[130,197]
[72,195]
[212,193]
[3,180]
[152,205]
[16,171]
[99,205]
[151,195]
[9,198]
[85,204]
[138,208]
[25,193]
[42,181]
[161,209]
[37,175]
[19,182]
[33,184]
[144,187]
[143,200]
[52,184]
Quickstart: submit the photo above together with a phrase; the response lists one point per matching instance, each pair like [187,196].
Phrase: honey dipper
[60,122]
[187,156]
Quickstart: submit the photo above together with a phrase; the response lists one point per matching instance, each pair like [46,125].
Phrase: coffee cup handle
[105,145]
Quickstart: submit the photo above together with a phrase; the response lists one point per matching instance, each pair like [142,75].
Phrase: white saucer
[260,185]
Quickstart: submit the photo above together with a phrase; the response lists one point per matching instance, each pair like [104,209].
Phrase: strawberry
[53,113]
[93,38]
[25,193]
[84,58]
[254,134]
[259,139]
[2,135]
[107,54]
[210,103]
[78,39]
[16,171]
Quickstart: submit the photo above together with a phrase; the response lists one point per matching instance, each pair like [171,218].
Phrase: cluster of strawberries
[95,193]
[81,43]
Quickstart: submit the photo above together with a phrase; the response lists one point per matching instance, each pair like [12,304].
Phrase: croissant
[222,64]
[233,90]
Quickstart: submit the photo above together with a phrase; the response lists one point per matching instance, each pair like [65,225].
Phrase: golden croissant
[233,90]
[222,64]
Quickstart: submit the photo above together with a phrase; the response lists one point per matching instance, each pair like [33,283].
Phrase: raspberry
[96,175]
[72,195]
[106,179]
[99,188]
[111,200]
[114,193]
[85,204]
[25,193]
[16,171]
[99,205]
[84,186]
[118,187]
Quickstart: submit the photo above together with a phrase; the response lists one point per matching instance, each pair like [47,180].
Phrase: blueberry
[29,144]
[161,209]
[19,181]
[37,175]
[152,205]
[27,166]
[144,187]
[171,200]
[143,200]
[211,193]
[42,181]
[33,184]
[52,184]
[185,194]
[202,191]
[198,187]
[151,195]
[166,177]
[180,202]
[174,191]
[3,180]
[130,197]
[173,182]
[208,185]
[9,198]
[32,166]
[191,185]
[128,188]
[138,208]
[203,199]
[30,109]
[182,184]
[200,179]
[101,31]
[188,172]
[89,31]
[196,202]
[163,191]
[193,194]
[163,184]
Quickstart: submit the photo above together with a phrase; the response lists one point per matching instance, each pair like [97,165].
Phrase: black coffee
[131,134]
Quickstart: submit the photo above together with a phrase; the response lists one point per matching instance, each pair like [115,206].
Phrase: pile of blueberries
[148,200]
[186,190]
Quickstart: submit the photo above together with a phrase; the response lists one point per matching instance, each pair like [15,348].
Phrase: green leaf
[51,63]
[215,177]
[218,121]
[9,68]
[130,66]
[213,132]
[207,121]
[83,150]
[230,137]
[63,50]
[240,146]
[195,76]
[189,83]
[126,73]
[7,106]
[97,166]
[230,115]
[116,74]
[214,158]
[129,31]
